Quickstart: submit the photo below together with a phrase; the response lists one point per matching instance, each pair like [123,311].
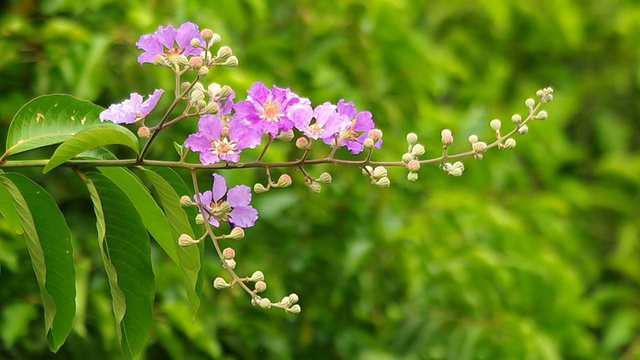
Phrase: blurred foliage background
[532,254]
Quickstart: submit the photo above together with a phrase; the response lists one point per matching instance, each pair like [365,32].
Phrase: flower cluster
[234,208]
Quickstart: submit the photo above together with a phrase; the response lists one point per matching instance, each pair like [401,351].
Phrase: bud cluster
[410,158]
[377,175]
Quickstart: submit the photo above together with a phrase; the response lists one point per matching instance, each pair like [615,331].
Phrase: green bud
[199,219]
[510,143]
[542,115]
[407,157]
[495,124]
[383,182]
[302,143]
[220,284]
[368,143]
[530,103]
[186,201]
[412,138]
[185,240]
[412,176]
[293,298]
[203,71]
[315,187]
[257,276]
[417,150]
[264,303]
[295,309]
[479,146]
[473,139]
[195,42]
[230,263]
[224,52]
[232,61]
[237,233]
[284,181]
[367,170]
[285,135]
[259,188]
[324,178]
[523,129]
[516,119]
[379,172]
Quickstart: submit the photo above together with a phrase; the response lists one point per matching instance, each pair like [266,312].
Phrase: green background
[532,254]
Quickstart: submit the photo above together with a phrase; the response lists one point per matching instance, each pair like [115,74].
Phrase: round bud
[510,143]
[540,94]
[195,42]
[379,172]
[375,134]
[324,178]
[228,253]
[293,298]
[542,115]
[220,284]
[473,139]
[259,188]
[185,240]
[530,103]
[232,61]
[523,129]
[495,124]
[480,146]
[260,286]
[412,176]
[295,309]
[285,135]
[406,157]
[447,137]
[413,165]
[199,219]
[257,276]
[236,233]
[195,62]
[383,182]
[231,264]
[302,143]
[144,132]
[206,34]
[224,52]
[516,119]
[284,181]
[367,170]
[315,187]
[203,71]
[264,303]
[417,150]
[412,138]
[368,143]
[186,201]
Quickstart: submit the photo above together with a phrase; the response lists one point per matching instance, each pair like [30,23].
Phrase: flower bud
[223,92]
[480,146]
[379,172]
[530,103]
[447,137]
[259,188]
[412,138]
[224,52]
[510,143]
[542,115]
[206,34]
[195,42]
[406,157]
[185,86]
[211,108]
[368,143]
[220,284]
[295,309]
[413,165]
[495,124]
[302,143]
[516,119]
[264,303]
[284,181]
[228,253]
[285,135]
[196,95]
[186,201]
[203,71]
[199,219]
[367,170]
[417,150]
[324,178]
[144,132]
[383,182]
[231,264]
[412,176]
[260,286]
[375,134]
[159,60]
[182,60]
[232,61]
[473,139]
[195,62]
[236,233]
[185,240]
[257,276]
[315,187]
[523,129]
[293,299]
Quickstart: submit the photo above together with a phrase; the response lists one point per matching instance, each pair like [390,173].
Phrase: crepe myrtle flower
[235,209]
[267,109]
[328,121]
[355,130]
[132,109]
[168,41]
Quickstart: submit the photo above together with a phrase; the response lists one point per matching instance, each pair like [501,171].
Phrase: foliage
[530,254]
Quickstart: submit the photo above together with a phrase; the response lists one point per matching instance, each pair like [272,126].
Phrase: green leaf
[90,139]
[170,188]
[49,244]
[51,119]
[8,210]
[126,253]
[152,216]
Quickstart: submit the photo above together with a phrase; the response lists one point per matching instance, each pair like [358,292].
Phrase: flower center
[223,147]
[271,110]
[220,210]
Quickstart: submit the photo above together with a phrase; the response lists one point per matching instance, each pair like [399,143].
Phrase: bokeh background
[532,254]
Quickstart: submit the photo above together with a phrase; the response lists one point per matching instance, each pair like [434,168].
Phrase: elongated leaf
[152,216]
[190,257]
[126,254]
[51,119]
[8,210]
[49,244]
[90,139]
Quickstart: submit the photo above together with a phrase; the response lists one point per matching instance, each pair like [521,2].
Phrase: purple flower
[132,109]
[169,41]
[356,129]
[235,209]
[328,122]
[267,109]
[220,139]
